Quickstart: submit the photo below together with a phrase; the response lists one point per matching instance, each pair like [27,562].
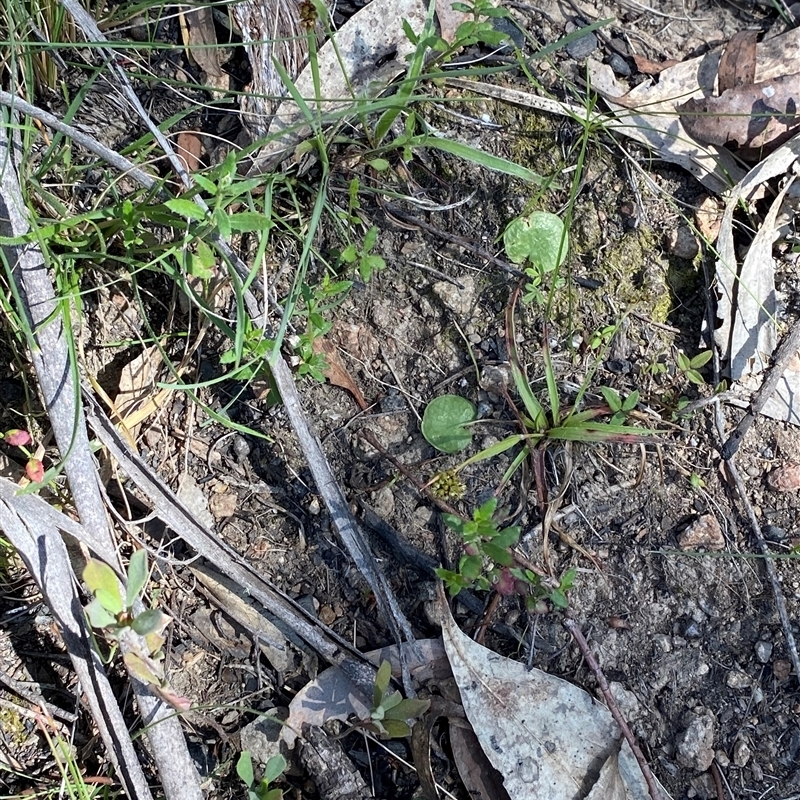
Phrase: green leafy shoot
[390,712]
[260,789]
[445,423]
[691,366]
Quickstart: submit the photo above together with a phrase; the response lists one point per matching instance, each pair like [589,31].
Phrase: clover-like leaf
[444,423]
[539,237]
[102,582]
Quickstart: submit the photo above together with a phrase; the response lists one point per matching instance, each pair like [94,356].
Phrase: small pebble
[722,759]
[693,631]
[785,478]
[764,651]
[703,532]
[681,242]
[781,669]
[772,533]
[738,680]
[741,753]
[457,300]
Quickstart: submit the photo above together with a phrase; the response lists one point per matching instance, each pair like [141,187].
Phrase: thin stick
[769,562]
[647,773]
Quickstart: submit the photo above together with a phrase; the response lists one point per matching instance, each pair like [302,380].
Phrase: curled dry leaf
[746,118]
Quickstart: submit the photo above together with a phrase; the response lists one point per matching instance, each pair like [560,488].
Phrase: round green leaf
[444,420]
[539,238]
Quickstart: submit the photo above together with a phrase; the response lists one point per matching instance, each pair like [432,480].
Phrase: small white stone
[457,300]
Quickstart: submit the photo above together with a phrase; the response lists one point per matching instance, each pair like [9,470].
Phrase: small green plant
[620,408]
[390,712]
[140,635]
[489,562]
[259,790]
[365,261]
[541,240]
[691,367]
[445,423]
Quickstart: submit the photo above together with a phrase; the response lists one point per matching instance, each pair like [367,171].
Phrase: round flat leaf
[444,420]
[539,238]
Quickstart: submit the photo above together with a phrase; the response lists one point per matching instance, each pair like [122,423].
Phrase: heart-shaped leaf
[444,423]
[540,238]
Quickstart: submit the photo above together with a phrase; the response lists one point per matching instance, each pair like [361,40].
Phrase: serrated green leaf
[507,537]
[137,576]
[186,208]
[244,768]
[249,222]
[470,566]
[444,421]
[499,555]
[274,769]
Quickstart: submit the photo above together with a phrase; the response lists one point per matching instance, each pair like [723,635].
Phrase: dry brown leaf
[748,118]
[189,148]
[334,696]
[337,373]
[737,66]
[708,218]
[200,40]
[648,67]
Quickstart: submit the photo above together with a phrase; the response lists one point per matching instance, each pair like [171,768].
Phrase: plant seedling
[390,713]
[141,635]
[691,366]
[259,790]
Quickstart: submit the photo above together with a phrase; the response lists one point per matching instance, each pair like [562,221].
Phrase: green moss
[13,727]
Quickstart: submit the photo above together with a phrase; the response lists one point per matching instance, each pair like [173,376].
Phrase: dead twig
[647,773]
[769,562]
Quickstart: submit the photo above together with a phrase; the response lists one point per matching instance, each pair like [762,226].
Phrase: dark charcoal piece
[583,47]
[619,65]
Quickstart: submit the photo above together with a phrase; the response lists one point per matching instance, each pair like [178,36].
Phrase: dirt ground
[689,637]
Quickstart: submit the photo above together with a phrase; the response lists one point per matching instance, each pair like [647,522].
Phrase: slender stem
[647,773]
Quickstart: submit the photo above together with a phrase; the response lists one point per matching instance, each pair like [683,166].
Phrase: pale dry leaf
[546,737]
[749,118]
[737,66]
[746,300]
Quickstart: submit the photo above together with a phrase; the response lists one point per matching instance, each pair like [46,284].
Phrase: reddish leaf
[337,373]
[34,470]
[737,66]
[17,438]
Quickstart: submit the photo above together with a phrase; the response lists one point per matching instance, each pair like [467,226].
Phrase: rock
[741,753]
[262,737]
[785,478]
[681,242]
[583,47]
[781,669]
[703,532]
[695,744]
[619,65]
[736,679]
[459,301]
[763,652]
[383,502]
